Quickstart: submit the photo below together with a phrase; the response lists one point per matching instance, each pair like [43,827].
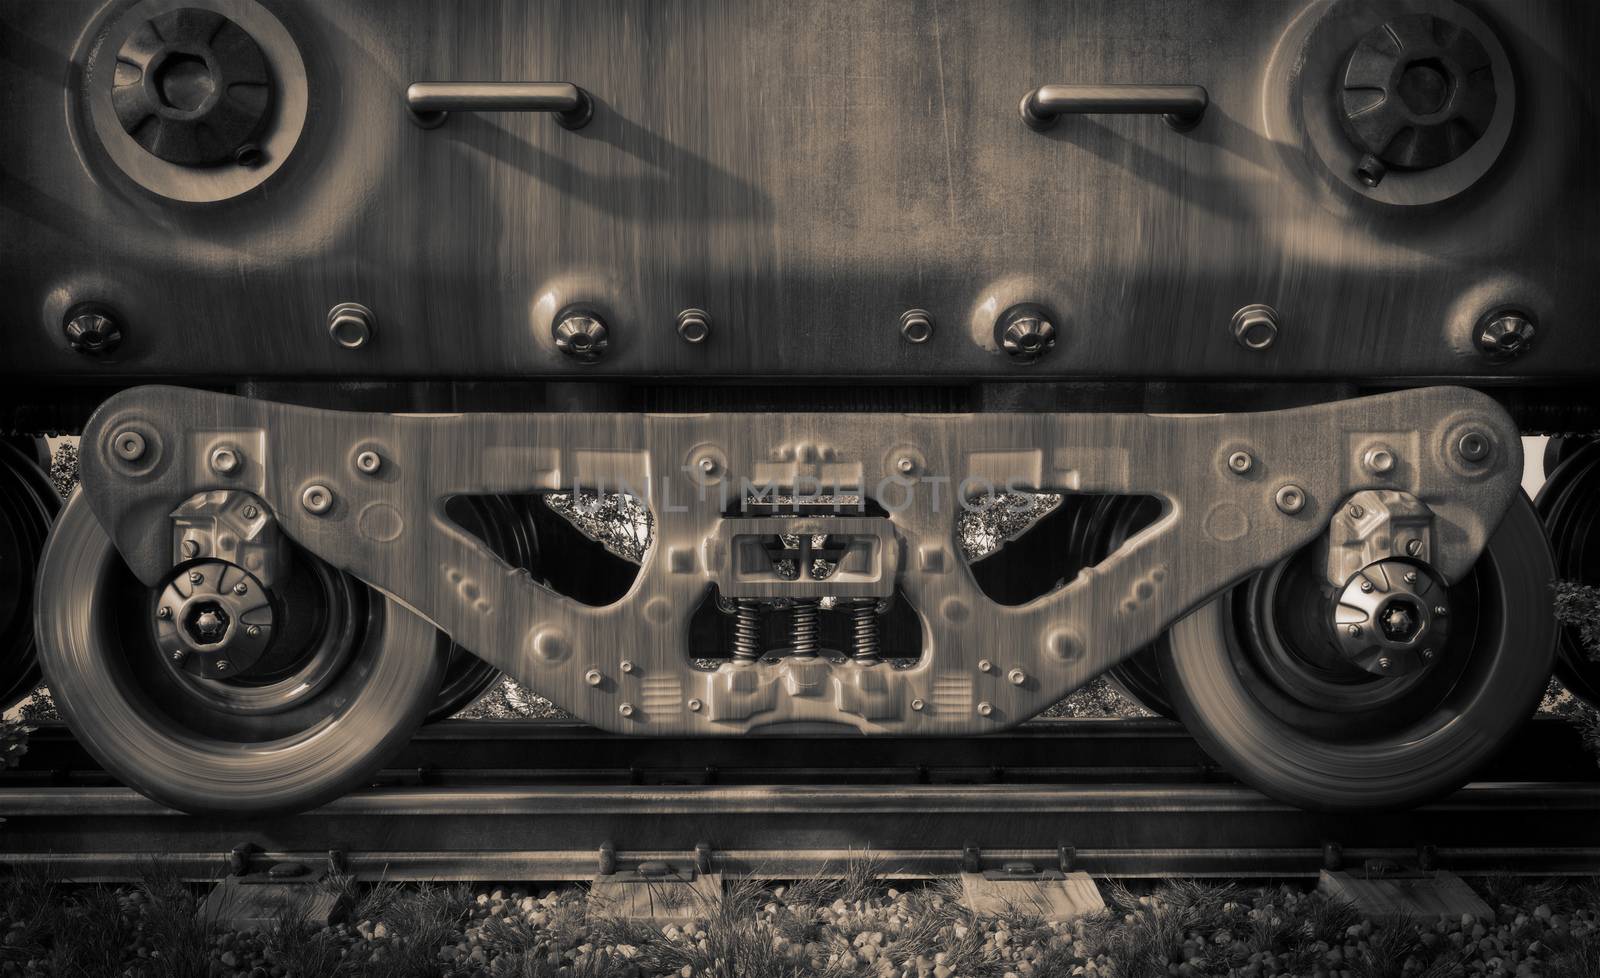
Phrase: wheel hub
[213,619]
[1390,618]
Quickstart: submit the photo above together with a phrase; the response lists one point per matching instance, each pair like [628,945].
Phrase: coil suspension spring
[864,623]
[803,626]
[747,631]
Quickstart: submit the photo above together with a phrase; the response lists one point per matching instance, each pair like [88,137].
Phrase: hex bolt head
[351,325]
[1473,446]
[225,460]
[1354,631]
[593,677]
[195,577]
[626,709]
[985,708]
[694,325]
[1025,332]
[164,613]
[1505,335]
[1255,327]
[369,461]
[317,499]
[1367,586]
[91,329]
[1440,610]
[1411,577]
[241,588]
[1290,498]
[984,665]
[581,335]
[128,444]
[1427,653]
[1379,461]
[1017,677]
[1241,462]
[916,326]
[917,705]
[695,705]
[222,665]
[254,631]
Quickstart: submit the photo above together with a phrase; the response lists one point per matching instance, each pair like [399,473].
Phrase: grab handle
[1182,106]
[430,102]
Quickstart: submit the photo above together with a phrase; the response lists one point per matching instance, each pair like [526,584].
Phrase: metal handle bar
[430,102]
[1182,106]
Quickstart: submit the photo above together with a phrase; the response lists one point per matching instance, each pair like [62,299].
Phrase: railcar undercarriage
[340,310]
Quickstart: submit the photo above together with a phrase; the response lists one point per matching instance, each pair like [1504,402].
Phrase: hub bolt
[695,705]
[1371,171]
[916,326]
[1366,586]
[129,445]
[1384,663]
[1427,653]
[1255,327]
[222,665]
[195,577]
[225,460]
[1379,461]
[1241,462]
[1411,577]
[582,336]
[1505,336]
[1440,610]
[1354,631]
[1290,498]
[241,588]
[694,325]
[164,613]
[254,631]
[317,499]
[369,461]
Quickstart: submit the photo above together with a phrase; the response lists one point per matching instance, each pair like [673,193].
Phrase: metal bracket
[1375,524]
[230,525]
[1239,493]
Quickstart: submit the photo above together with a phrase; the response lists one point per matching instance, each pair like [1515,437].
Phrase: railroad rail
[540,801]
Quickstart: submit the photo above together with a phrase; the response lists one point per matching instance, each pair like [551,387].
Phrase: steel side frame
[389,528]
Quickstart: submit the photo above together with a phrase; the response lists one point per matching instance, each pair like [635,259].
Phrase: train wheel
[1559,448]
[505,524]
[28,503]
[1569,502]
[345,680]
[1257,677]
[1139,675]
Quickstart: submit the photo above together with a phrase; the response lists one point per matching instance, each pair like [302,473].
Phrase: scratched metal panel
[805,171]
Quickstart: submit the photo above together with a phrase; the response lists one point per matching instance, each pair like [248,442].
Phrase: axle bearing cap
[213,619]
[193,88]
[1417,92]
[1391,617]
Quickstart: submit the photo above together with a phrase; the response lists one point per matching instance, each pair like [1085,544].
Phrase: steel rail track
[546,830]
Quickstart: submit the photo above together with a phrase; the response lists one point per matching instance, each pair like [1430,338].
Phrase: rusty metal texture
[805,172]
[387,527]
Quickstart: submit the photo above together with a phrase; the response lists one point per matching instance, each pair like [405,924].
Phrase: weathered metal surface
[782,832]
[387,528]
[805,172]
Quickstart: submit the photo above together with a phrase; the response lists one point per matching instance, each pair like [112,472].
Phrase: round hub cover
[193,88]
[1418,91]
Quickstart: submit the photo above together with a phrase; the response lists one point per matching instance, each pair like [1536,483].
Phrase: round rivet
[917,705]
[985,708]
[369,461]
[592,677]
[1473,446]
[317,499]
[1378,461]
[916,326]
[1017,677]
[626,709]
[351,325]
[129,445]
[708,465]
[984,665]
[1290,498]
[1366,586]
[582,335]
[225,460]
[1241,462]
[627,665]
[694,325]
[905,464]
[695,705]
